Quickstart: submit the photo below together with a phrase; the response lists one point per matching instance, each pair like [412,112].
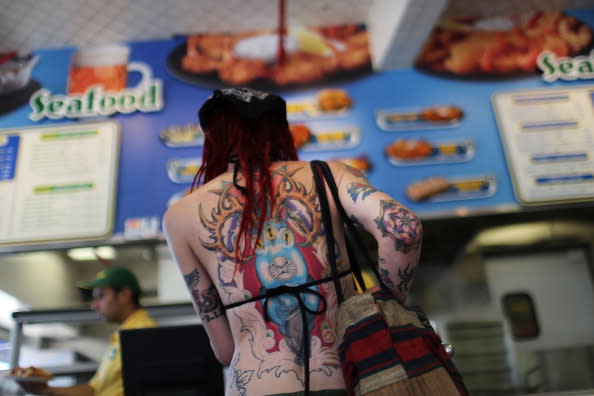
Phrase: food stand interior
[510,287]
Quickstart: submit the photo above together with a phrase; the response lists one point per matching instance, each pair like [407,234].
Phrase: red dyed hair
[255,144]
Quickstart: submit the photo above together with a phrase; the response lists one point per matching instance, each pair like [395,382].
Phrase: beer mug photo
[106,66]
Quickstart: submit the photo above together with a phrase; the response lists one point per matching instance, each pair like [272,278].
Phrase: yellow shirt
[108,381]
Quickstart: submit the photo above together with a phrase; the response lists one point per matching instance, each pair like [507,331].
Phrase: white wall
[171,287]
[41,280]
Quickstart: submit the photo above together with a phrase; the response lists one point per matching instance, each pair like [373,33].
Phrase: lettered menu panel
[548,137]
[57,183]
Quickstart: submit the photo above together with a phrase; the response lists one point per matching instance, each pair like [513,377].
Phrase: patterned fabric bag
[385,347]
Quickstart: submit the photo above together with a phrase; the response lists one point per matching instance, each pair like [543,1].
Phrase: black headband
[249,103]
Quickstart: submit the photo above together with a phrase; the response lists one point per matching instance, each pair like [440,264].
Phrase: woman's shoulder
[190,198]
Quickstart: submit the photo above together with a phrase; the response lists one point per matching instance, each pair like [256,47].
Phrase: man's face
[106,302]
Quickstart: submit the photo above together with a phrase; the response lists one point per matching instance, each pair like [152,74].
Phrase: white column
[399,28]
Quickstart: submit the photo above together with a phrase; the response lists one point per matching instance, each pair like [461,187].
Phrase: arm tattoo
[208,301]
[399,224]
[406,276]
[385,274]
[210,305]
[359,189]
[192,279]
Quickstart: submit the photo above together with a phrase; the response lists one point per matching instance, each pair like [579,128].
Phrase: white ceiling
[35,24]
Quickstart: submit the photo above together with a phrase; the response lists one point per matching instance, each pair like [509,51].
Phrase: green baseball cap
[119,277]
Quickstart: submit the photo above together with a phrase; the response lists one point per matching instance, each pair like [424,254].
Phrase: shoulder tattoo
[360,190]
[399,224]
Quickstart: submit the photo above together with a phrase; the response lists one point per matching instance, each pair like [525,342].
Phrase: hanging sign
[97,86]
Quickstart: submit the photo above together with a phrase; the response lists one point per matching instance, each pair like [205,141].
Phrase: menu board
[548,137]
[57,183]
[424,135]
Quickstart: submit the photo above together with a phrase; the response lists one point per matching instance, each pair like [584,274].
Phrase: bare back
[263,340]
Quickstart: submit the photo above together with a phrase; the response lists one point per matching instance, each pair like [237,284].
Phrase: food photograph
[326,103]
[182,170]
[312,55]
[420,151]
[324,136]
[189,135]
[502,46]
[419,118]
[439,188]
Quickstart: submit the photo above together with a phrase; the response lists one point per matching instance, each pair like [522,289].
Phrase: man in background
[116,298]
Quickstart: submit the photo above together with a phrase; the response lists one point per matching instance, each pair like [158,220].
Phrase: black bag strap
[327,220]
[352,233]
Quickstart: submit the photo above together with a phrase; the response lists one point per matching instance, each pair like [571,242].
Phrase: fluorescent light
[106,252]
[91,253]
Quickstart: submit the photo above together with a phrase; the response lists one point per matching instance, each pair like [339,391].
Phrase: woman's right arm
[177,226]
[397,230]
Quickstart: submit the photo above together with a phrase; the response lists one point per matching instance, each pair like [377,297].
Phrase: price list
[57,183]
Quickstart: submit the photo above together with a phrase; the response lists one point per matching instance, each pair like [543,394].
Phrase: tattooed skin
[242,378]
[295,205]
[210,304]
[223,224]
[287,253]
[279,263]
[192,280]
[361,190]
[208,301]
[385,276]
[399,224]
[406,277]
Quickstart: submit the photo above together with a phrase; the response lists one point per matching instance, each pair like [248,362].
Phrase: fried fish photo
[502,46]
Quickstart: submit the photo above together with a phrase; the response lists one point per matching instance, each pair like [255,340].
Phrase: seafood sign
[570,69]
[96,101]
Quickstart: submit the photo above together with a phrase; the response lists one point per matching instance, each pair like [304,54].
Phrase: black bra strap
[296,291]
[272,292]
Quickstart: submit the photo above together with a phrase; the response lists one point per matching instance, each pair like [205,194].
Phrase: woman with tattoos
[251,246]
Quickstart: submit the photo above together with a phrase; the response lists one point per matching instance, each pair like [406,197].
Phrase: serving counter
[80,315]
